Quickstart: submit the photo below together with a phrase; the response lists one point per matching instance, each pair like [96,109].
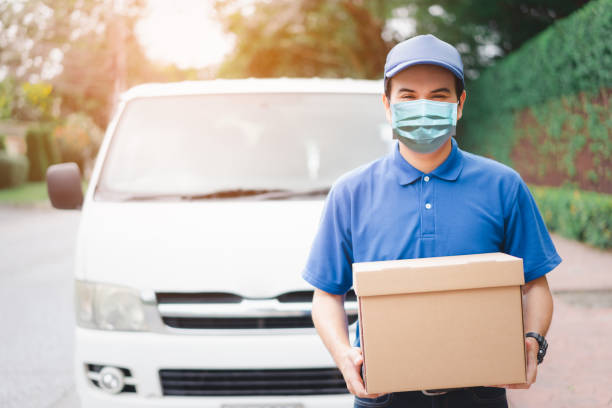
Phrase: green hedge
[13,170]
[566,139]
[41,149]
[572,55]
[570,59]
[581,215]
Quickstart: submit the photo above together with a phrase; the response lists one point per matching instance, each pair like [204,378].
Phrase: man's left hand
[531,352]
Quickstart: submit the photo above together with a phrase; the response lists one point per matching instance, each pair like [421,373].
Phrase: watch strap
[543,344]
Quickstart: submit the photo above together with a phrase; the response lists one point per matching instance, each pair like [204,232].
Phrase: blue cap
[424,49]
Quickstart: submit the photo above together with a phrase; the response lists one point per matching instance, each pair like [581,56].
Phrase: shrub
[50,145]
[13,170]
[41,149]
[581,215]
[561,81]
[7,97]
[38,101]
[78,140]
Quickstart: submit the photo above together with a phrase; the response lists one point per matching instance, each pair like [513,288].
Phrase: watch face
[541,354]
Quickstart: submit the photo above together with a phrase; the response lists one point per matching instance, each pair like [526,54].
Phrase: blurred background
[539,90]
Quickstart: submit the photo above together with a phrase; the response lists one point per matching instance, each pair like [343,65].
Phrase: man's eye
[439,96]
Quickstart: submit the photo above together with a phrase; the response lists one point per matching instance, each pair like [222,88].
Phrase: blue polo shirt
[387,209]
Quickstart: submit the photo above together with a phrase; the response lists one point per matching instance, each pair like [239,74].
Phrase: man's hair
[458,87]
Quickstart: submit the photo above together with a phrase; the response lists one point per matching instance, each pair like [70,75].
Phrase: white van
[200,212]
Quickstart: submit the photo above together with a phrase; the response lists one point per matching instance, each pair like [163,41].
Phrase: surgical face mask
[423,125]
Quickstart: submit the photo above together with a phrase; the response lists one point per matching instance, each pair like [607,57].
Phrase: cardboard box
[443,322]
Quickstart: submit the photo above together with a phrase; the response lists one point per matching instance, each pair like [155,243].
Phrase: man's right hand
[330,320]
[350,365]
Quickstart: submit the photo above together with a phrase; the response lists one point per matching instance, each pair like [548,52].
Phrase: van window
[192,145]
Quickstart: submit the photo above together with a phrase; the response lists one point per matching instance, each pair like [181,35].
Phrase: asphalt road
[37,318]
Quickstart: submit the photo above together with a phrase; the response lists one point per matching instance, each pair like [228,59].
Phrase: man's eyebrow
[406,90]
[441,90]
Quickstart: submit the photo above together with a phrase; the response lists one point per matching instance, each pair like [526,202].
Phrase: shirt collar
[448,170]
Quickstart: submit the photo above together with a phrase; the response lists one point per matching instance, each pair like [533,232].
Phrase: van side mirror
[64,186]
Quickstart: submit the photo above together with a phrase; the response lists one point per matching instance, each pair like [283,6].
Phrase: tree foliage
[71,45]
[80,47]
[304,38]
[486,30]
[350,38]
[35,35]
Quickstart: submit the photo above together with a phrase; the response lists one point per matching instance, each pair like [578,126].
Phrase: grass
[31,192]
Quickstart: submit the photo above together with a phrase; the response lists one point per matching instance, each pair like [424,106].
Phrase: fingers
[531,369]
[371,395]
[531,352]
[518,386]
[532,361]
[352,375]
[531,375]
[352,361]
[357,360]
[361,392]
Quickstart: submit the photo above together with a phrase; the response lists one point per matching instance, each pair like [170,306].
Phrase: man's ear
[461,103]
[387,107]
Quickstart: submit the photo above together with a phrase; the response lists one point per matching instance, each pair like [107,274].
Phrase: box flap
[437,274]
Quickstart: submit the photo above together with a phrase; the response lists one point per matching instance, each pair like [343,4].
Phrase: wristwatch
[542,342]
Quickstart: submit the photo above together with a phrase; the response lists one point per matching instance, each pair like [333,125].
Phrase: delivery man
[427,198]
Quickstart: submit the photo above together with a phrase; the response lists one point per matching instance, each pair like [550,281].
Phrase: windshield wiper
[263,194]
[282,195]
[260,194]
[117,196]
[233,193]
[220,194]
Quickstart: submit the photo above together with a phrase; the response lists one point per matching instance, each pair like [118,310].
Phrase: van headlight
[108,307]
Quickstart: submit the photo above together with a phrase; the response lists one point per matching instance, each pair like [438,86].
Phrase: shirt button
[428,206]
[426,178]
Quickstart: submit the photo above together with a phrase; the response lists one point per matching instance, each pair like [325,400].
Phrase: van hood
[253,249]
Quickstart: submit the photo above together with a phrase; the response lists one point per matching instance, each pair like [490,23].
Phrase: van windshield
[212,146]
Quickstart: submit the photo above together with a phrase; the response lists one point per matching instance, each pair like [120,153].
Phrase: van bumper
[145,353]
[98,400]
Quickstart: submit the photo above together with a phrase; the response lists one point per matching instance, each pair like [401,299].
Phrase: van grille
[196,297]
[290,310]
[306,381]
[243,323]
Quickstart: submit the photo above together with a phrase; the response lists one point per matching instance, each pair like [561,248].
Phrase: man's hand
[330,321]
[350,365]
[531,351]
[538,311]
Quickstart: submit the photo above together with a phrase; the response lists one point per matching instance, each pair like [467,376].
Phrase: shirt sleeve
[329,264]
[526,236]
